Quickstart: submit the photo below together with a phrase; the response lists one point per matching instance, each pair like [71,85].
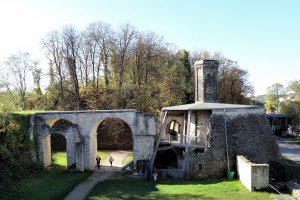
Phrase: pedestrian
[98,159]
[111,160]
[148,171]
[154,175]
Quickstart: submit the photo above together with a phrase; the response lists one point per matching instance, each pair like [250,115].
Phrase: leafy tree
[274,93]
[189,85]
[233,86]
[292,109]
[291,105]
[294,86]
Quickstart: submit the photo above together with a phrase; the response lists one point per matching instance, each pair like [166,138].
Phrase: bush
[16,148]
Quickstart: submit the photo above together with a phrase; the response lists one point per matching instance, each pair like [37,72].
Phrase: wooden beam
[163,127]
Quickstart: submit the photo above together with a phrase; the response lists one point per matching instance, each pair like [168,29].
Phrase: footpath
[289,149]
[81,191]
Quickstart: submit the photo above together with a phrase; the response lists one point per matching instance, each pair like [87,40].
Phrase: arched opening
[173,130]
[166,159]
[114,138]
[58,150]
[59,144]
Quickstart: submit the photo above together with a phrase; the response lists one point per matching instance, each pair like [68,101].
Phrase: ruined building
[202,139]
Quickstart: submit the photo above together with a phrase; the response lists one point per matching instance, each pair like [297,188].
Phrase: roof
[209,106]
[276,115]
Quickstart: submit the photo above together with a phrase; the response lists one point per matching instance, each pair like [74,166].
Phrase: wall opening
[173,129]
[58,145]
[166,159]
[114,138]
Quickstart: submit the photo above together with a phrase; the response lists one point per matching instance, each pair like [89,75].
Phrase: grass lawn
[27,112]
[295,140]
[53,184]
[174,189]
[292,166]
[59,159]
[127,159]
[103,155]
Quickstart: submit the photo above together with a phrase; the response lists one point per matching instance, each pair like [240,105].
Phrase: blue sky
[263,36]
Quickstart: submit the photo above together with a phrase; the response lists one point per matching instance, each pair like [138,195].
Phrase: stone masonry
[249,134]
[81,136]
[200,142]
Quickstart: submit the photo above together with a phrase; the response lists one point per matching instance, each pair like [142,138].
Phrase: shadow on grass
[48,184]
[132,188]
[135,189]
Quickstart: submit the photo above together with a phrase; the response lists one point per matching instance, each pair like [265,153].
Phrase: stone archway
[95,133]
[113,135]
[81,135]
[70,133]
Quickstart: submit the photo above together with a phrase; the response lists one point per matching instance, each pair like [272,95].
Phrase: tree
[291,105]
[52,44]
[233,86]
[294,86]
[37,75]
[274,93]
[122,50]
[71,43]
[19,64]
[184,59]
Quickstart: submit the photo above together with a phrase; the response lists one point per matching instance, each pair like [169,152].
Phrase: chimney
[206,75]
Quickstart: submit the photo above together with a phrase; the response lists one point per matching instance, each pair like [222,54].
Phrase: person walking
[98,159]
[111,160]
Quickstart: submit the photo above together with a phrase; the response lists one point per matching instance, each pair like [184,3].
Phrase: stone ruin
[203,139]
[198,140]
[81,134]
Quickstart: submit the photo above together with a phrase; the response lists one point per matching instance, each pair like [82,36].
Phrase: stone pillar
[206,74]
[71,153]
[45,150]
[79,157]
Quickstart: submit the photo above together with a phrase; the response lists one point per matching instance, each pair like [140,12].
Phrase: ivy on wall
[16,148]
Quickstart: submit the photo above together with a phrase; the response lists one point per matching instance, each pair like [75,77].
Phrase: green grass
[174,189]
[292,166]
[103,155]
[295,140]
[27,112]
[128,159]
[52,184]
[59,159]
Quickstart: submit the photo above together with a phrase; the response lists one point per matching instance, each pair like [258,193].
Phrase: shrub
[16,148]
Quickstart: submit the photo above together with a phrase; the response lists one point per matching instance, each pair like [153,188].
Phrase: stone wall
[206,72]
[81,135]
[249,134]
[253,176]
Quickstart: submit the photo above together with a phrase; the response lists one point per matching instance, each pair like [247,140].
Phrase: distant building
[279,123]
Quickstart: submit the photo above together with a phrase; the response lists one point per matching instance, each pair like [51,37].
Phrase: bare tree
[71,43]
[147,47]
[103,34]
[97,43]
[122,50]
[53,45]
[19,64]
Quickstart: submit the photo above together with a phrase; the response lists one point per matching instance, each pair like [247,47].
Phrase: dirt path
[118,157]
[81,191]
